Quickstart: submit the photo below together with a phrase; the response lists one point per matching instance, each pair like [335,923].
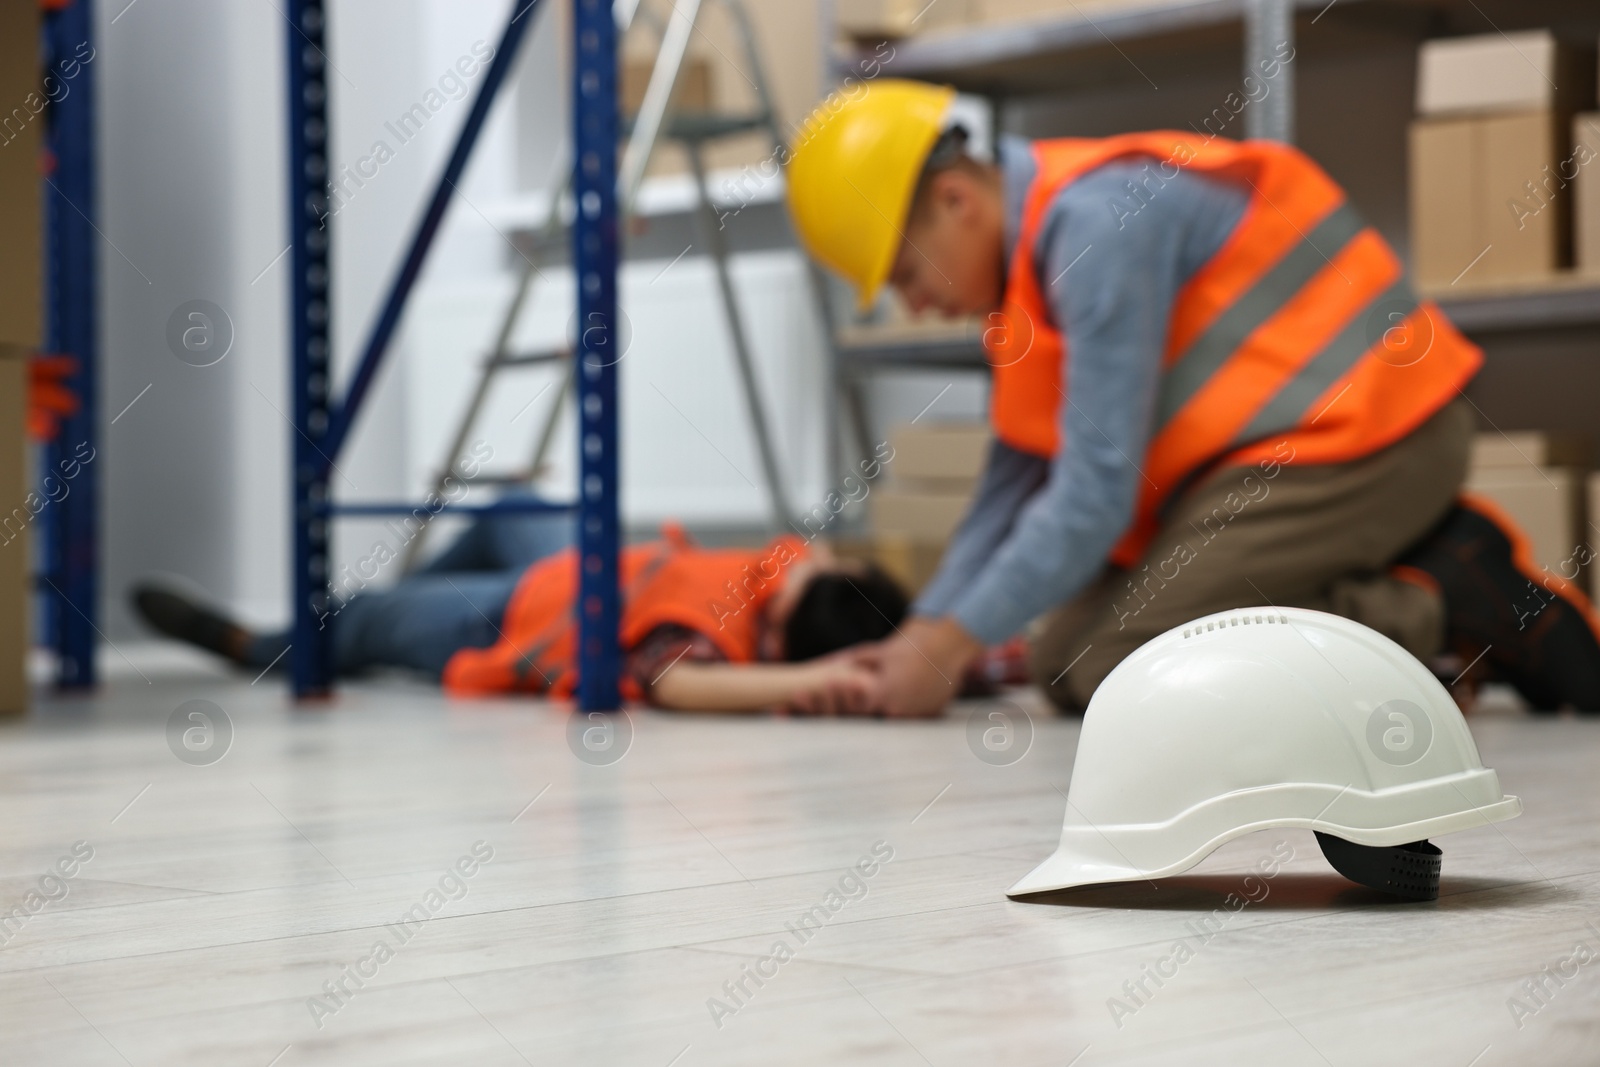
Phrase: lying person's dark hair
[839,609]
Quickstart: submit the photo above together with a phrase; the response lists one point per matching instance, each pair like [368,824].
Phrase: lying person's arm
[830,685]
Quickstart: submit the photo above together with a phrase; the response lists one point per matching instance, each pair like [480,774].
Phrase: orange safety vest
[1299,341]
[719,593]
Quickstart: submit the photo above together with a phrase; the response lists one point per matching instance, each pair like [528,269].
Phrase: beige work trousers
[1320,537]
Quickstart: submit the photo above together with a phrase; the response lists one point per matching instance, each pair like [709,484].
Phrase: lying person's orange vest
[720,593]
[1300,341]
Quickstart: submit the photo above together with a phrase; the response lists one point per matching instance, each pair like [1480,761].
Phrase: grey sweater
[1111,258]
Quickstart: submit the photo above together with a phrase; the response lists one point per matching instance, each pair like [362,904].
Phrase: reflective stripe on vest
[1300,341]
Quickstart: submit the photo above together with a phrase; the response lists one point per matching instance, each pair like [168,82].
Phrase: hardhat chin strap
[1410,871]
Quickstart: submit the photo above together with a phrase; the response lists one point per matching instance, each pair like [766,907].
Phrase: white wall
[177,122]
[193,188]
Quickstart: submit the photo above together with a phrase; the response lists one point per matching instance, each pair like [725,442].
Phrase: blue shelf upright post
[594,259]
[311,652]
[70,557]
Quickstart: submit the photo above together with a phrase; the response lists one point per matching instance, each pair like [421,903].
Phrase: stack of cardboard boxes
[1538,479]
[1586,202]
[876,20]
[926,485]
[21,305]
[1499,144]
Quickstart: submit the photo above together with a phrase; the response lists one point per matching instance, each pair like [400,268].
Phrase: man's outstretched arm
[1112,281]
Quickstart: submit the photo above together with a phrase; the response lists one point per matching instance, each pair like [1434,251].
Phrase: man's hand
[921,666]
[838,684]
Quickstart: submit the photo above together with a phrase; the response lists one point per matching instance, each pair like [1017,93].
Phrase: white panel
[168,111]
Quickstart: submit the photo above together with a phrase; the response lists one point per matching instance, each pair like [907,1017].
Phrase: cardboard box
[1496,72]
[1487,194]
[877,20]
[1445,193]
[21,128]
[694,83]
[947,456]
[1526,449]
[15,572]
[922,515]
[988,11]
[910,561]
[1586,192]
[21,321]
[1548,505]
[1527,203]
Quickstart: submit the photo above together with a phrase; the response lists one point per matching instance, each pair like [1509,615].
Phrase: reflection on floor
[398,879]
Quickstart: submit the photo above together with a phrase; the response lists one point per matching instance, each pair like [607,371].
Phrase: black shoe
[175,615]
[1535,631]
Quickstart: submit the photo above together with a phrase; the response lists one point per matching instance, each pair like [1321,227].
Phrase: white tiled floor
[221,898]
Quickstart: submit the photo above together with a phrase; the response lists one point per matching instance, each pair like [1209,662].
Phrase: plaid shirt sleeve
[665,647]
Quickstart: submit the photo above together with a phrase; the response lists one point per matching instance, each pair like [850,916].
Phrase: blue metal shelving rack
[322,425]
[69,546]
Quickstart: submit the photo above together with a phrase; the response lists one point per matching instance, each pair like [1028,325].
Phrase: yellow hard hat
[853,169]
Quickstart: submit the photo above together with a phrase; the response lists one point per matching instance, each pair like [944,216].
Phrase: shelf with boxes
[1505,166]
[1016,47]
[1490,120]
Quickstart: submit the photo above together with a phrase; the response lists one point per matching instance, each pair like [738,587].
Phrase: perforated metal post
[70,554]
[1268,37]
[594,258]
[311,651]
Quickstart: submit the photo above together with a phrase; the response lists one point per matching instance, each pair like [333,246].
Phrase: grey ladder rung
[868,347]
[531,359]
[507,478]
[709,125]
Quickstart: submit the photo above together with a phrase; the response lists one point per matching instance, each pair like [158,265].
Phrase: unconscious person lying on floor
[704,629]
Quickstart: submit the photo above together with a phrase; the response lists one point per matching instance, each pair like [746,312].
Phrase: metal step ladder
[656,119]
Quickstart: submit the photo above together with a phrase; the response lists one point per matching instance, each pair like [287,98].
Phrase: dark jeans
[456,601]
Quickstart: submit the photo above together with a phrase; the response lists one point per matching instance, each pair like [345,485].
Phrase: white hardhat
[1270,717]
